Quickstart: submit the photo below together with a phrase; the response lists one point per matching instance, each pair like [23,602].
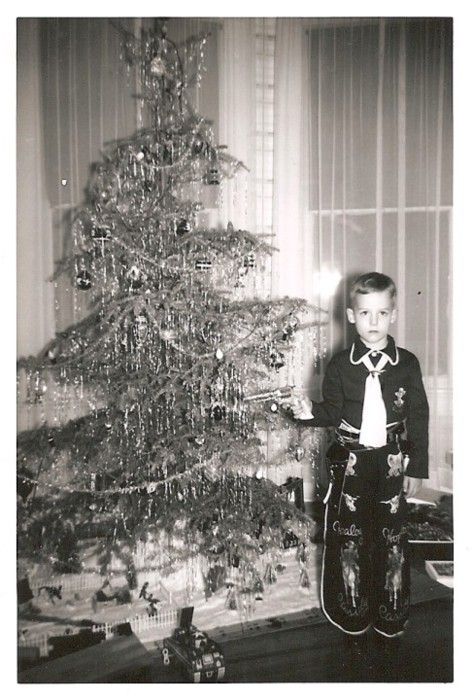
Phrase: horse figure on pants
[350,571]
[394,574]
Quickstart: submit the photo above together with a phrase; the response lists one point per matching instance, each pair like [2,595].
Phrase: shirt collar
[359,350]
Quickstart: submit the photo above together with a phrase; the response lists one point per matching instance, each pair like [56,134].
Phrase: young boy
[373,395]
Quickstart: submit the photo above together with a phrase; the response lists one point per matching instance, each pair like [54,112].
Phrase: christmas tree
[169,355]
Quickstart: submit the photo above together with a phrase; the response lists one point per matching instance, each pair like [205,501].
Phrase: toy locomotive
[201,657]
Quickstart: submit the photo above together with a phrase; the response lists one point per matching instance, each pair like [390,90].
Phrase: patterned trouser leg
[365,572]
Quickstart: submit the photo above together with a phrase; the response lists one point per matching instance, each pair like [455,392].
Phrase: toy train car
[201,657]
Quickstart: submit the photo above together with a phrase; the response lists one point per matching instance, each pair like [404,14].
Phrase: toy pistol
[284,392]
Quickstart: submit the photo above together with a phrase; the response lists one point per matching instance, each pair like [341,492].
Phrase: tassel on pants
[365,570]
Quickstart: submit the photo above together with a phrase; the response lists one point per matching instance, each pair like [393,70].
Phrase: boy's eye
[384,313]
[363,313]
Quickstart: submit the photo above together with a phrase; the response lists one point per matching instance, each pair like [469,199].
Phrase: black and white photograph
[234,346]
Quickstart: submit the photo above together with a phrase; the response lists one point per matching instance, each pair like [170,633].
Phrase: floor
[318,654]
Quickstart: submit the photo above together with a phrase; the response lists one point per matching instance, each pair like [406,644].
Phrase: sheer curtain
[35,303]
[73,97]
[34,223]
[379,183]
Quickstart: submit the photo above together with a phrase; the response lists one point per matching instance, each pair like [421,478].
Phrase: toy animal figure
[393,503]
[395,465]
[394,574]
[350,501]
[52,592]
[350,571]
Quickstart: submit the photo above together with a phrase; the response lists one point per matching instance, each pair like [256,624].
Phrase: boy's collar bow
[359,350]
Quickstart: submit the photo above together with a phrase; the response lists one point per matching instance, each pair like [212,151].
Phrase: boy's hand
[411,486]
[300,406]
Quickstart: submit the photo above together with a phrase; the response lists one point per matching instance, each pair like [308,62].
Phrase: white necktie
[373,420]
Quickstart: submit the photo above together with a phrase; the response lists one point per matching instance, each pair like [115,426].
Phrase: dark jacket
[403,393]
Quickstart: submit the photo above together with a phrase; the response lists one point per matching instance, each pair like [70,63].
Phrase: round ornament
[183,227]
[219,354]
[273,408]
[135,277]
[217,413]
[83,280]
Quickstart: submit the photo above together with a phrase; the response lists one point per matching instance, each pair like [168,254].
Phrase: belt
[348,436]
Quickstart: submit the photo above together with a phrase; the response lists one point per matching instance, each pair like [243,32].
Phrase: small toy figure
[52,592]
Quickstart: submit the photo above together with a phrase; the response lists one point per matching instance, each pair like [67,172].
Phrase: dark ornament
[135,277]
[276,360]
[249,261]
[83,280]
[289,540]
[212,176]
[101,233]
[203,264]
[183,227]
[299,453]
[218,413]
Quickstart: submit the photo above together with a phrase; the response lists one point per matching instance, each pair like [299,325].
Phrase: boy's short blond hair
[372,282]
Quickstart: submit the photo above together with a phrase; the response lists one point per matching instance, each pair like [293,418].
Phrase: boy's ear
[393,315]
[350,315]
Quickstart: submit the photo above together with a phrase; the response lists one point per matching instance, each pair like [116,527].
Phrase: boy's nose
[374,319]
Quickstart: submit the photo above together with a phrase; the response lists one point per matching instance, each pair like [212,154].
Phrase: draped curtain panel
[34,240]
[381,186]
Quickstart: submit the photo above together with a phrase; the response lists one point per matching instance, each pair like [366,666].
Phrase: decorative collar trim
[359,350]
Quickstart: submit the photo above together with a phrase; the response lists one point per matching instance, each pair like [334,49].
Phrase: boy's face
[372,315]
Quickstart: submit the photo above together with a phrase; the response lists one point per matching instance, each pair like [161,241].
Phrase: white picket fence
[139,623]
[72,583]
[69,582]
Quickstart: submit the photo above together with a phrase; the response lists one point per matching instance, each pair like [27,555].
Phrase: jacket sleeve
[328,412]
[417,425]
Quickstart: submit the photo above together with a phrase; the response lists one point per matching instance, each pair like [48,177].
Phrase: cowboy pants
[365,567]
